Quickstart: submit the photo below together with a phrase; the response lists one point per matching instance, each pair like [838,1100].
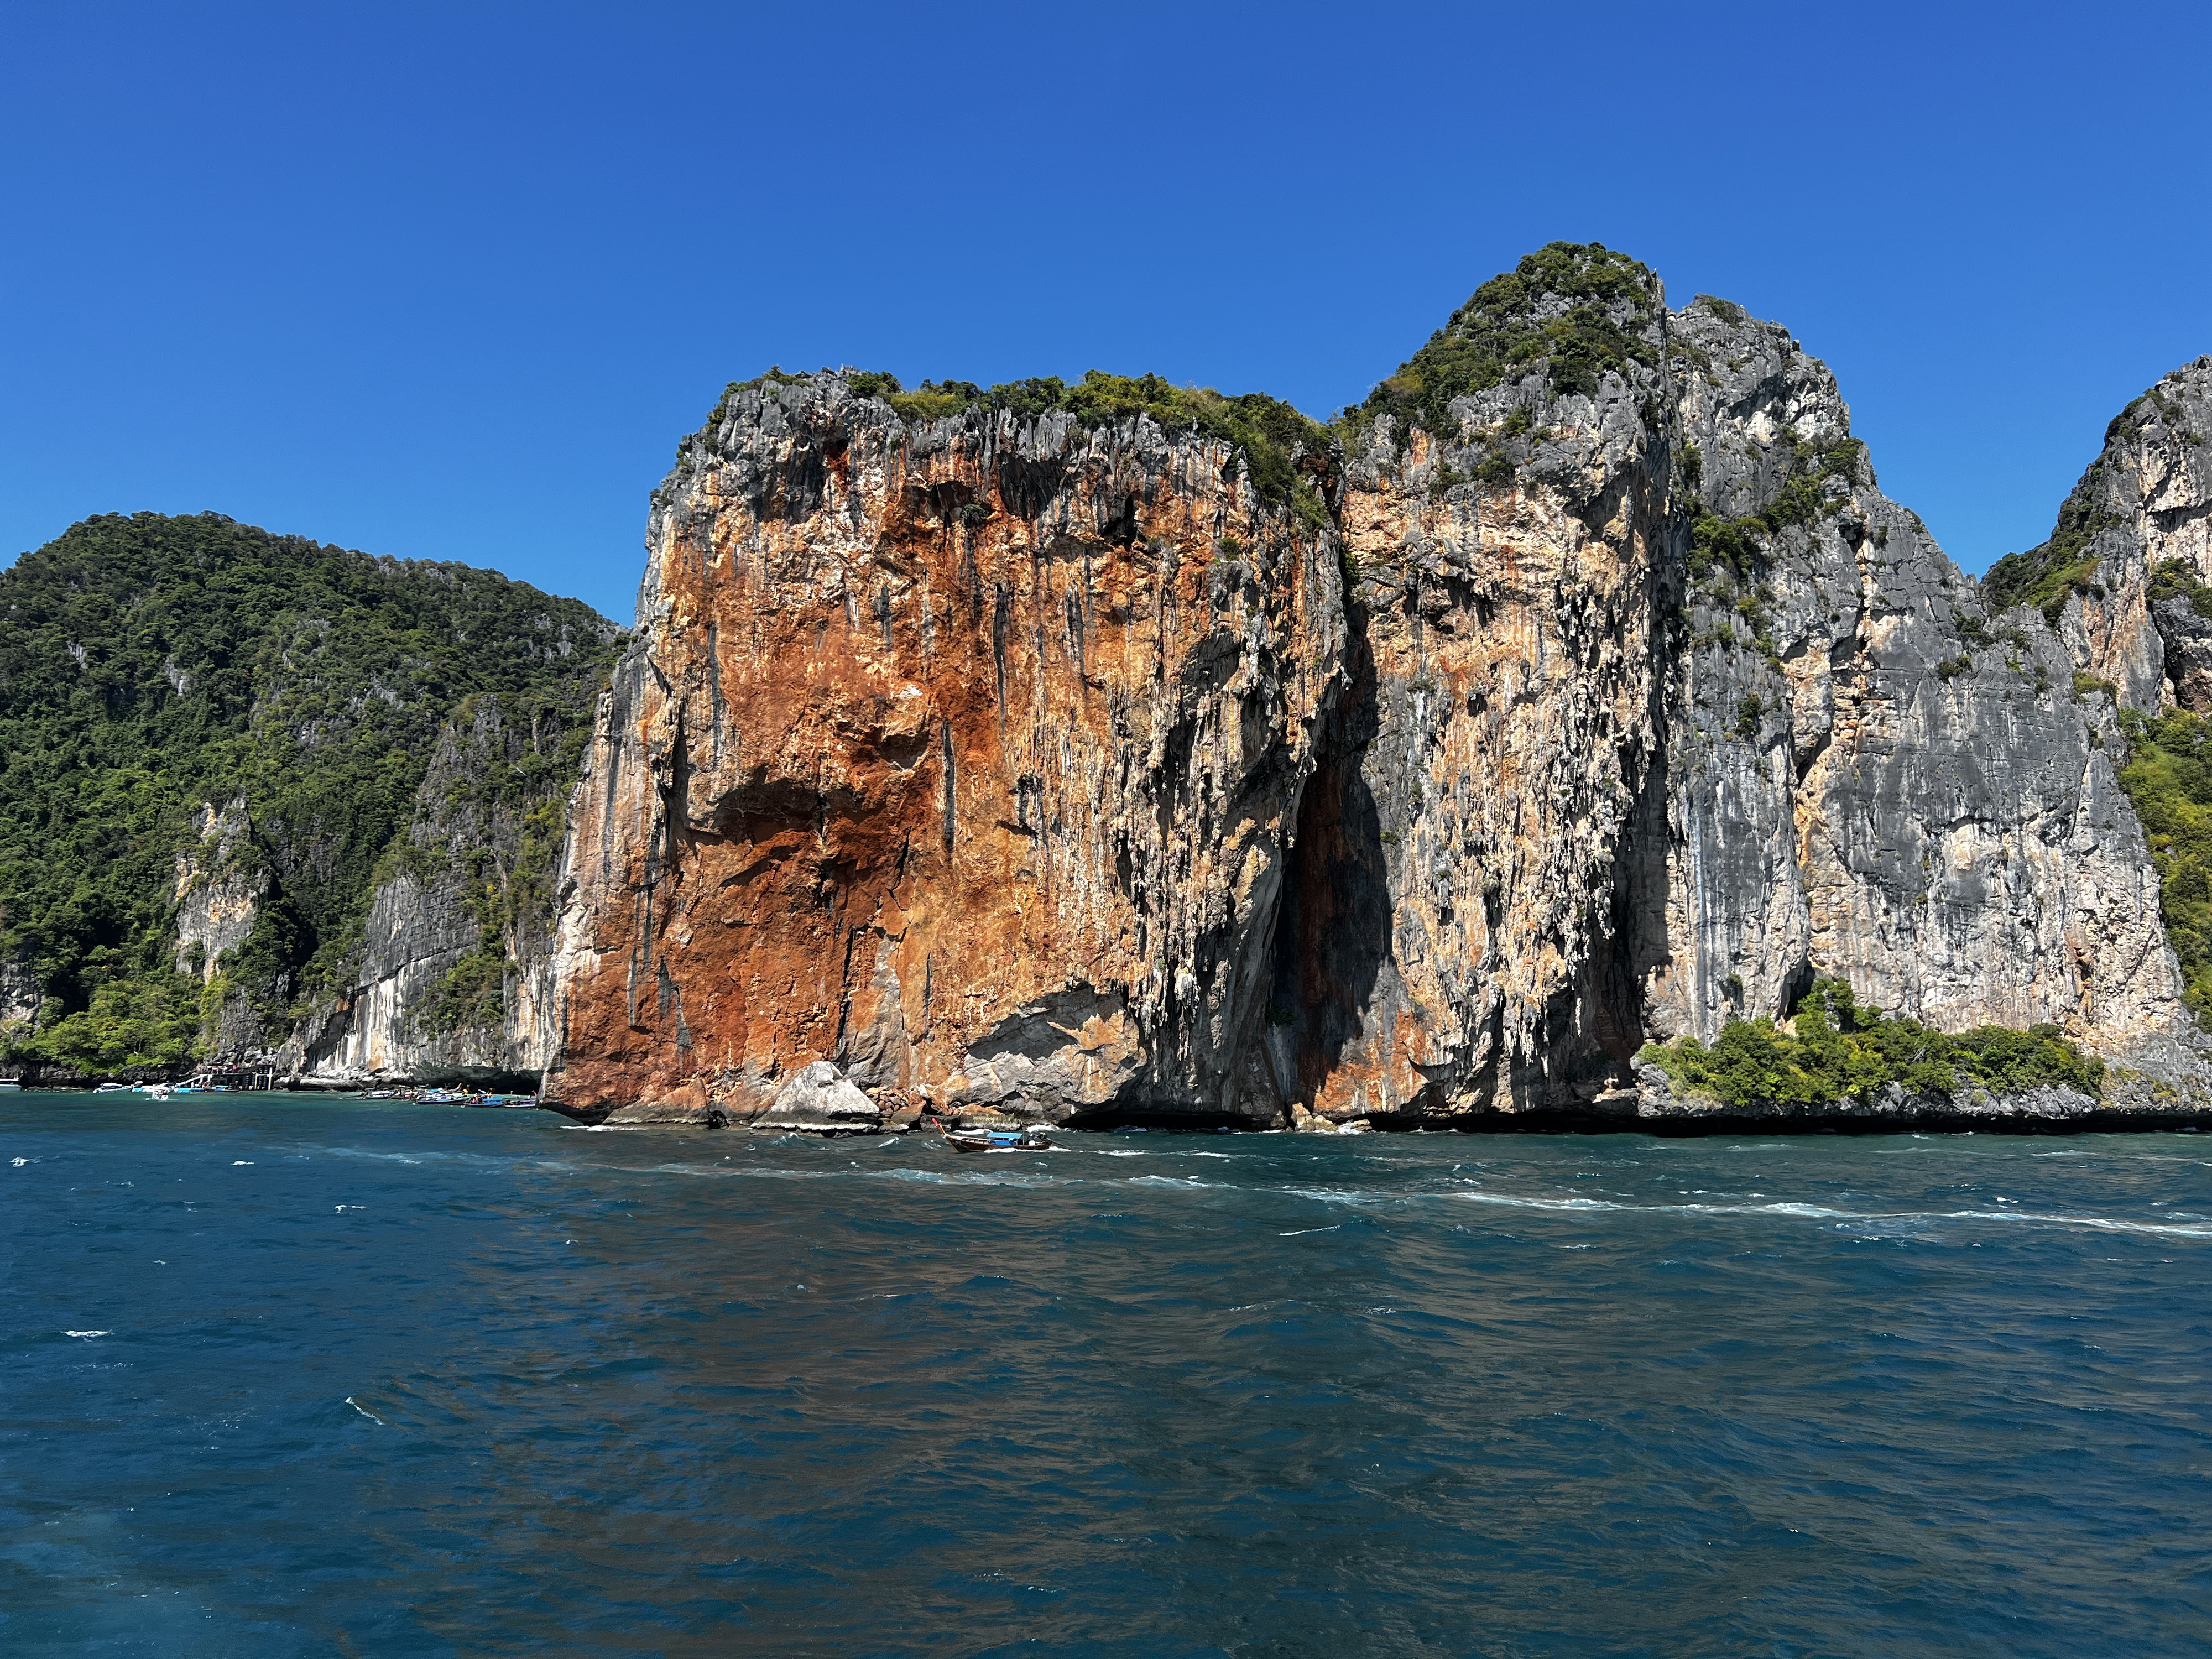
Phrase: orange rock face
[963,755]
[1014,762]
[1000,761]
[1457,944]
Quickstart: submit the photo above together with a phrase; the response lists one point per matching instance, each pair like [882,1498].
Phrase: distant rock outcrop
[280,805]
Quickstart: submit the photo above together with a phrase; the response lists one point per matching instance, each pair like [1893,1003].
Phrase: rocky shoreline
[821,1100]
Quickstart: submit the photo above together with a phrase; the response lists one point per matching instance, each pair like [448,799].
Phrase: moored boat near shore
[1029,1139]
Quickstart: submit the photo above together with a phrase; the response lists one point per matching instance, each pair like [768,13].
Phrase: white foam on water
[88,1335]
[766,1173]
[965,1178]
[2097,1223]
[240,1164]
[365,1410]
[19,1162]
[1302,1231]
[1562,1204]
[1824,1213]
[1351,1196]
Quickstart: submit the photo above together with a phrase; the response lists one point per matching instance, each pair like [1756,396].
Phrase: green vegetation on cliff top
[1840,1051]
[2064,564]
[1739,545]
[150,665]
[1573,311]
[1272,434]
[2044,576]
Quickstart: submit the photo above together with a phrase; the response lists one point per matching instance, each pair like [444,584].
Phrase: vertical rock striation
[1455,942]
[1585,689]
[452,978]
[963,752]
[219,887]
[1873,776]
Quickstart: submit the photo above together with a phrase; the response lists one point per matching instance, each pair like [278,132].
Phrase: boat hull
[984,1143]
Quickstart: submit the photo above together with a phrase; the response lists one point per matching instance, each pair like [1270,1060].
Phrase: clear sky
[447,281]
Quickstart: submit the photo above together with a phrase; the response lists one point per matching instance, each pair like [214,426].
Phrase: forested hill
[177,693]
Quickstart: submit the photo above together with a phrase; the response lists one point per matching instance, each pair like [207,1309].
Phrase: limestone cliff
[452,980]
[2144,503]
[1871,773]
[218,888]
[964,752]
[1581,688]
[1454,941]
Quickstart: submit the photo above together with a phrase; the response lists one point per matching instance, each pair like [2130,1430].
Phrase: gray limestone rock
[1870,774]
[453,979]
[2184,634]
[219,885]
[819,1099]
[2145,500]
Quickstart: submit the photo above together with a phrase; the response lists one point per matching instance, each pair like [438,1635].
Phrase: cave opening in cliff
[1331,930]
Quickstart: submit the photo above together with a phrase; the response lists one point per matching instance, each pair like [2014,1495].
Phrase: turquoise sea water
[285,1376]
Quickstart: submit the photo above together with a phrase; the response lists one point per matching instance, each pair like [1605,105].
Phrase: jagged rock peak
[2144,504]
[1567,315]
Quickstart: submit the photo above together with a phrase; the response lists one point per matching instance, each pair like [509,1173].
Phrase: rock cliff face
[964,753]
[19,1001]
[1872,774]
[1456,938]
[1587,691]
[452,980]
[2145,501]
[217,891]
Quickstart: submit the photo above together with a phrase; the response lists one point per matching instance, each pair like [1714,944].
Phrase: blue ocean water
[285,1376]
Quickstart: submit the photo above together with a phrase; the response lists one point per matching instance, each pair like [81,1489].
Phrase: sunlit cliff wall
[1006,757]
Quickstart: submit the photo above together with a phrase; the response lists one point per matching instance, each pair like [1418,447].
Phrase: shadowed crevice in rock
[1333,941]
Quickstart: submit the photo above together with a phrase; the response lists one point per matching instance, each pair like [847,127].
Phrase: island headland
[1573,732]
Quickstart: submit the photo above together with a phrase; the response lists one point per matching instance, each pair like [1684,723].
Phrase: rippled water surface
[285,1376]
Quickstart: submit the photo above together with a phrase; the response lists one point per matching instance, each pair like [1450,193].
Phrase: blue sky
[448,281]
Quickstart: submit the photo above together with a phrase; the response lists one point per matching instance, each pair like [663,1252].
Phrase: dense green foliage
[149,1022]
[1840,1051]
[1506,327]
[2044,576]
[150,665]
[2168,777]
[2177,578]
